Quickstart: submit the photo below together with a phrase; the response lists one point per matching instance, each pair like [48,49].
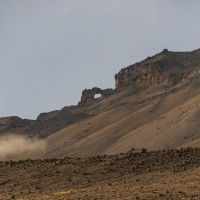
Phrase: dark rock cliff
[166,68]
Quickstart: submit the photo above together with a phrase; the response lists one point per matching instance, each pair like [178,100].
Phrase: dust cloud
[18,147]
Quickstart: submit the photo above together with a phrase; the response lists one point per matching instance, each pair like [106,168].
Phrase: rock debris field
[164,174]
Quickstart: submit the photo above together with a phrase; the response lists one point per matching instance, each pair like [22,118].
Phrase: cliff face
[166,68]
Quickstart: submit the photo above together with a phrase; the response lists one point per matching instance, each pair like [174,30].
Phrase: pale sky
[50,50]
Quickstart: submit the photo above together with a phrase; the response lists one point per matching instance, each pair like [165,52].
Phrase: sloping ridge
[156,105]
[166,121]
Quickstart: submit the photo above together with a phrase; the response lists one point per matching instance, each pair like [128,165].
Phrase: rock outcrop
[50,122]
[166,68]
[89,95]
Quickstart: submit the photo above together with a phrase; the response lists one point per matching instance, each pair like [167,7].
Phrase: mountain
[155,105]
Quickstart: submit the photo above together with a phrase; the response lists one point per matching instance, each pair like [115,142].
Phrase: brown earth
[155,106]
[161,119]
[169,174]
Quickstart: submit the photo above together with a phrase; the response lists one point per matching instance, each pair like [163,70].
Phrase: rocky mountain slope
[155,105]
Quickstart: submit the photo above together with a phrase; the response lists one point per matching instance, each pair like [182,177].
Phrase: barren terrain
[160,119]
[138,141]
[155,105]
[169,174]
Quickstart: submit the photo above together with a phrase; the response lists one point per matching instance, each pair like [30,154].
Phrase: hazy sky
[50,50]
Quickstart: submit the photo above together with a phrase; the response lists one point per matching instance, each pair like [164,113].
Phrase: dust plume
[18,147]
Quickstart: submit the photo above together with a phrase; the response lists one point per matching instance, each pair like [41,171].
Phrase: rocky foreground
[166,174]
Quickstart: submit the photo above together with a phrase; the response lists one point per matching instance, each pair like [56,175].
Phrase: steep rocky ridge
[166,68]
[161,89]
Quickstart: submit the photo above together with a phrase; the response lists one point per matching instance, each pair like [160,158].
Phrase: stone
[164,69]
[88,95]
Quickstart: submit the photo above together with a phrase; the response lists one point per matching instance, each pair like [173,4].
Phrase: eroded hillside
[155,105]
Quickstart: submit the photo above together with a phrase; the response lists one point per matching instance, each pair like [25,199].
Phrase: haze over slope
[155,105]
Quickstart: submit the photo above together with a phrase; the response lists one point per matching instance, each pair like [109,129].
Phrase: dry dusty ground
[167,174]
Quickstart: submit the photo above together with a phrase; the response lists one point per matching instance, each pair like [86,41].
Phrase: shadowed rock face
[166,68]
[9,123]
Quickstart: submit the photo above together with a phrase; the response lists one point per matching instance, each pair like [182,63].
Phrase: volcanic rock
[166,68]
